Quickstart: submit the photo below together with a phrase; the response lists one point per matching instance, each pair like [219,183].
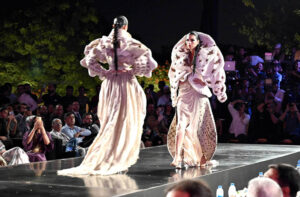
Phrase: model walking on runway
[122,101]
[197,65]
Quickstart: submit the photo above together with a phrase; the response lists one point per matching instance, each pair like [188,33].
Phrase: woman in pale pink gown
[197,65]
[122,102]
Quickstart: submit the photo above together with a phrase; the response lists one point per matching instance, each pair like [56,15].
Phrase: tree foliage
[44,43]
[271,22]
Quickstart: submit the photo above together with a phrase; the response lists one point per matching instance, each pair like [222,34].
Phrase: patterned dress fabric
[121,107]
[193,112]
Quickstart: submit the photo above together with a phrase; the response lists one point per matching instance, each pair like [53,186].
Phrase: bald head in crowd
[263,187]
[189,188]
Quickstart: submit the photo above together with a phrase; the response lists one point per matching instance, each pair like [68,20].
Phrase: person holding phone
[291,119]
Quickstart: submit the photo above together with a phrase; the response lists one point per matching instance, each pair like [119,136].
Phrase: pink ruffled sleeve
[94,53]
[142,61]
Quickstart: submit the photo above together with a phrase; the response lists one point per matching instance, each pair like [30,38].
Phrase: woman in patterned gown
[122,101]
[197,65]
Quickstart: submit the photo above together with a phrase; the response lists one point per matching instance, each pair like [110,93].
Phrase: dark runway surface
[149,177]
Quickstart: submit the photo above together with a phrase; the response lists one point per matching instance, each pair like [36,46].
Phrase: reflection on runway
[110,185]
[189,173]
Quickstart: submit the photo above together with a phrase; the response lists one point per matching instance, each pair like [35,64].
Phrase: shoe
[180,165]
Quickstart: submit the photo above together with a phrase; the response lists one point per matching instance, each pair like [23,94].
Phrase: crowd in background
[280,180]
[262,107]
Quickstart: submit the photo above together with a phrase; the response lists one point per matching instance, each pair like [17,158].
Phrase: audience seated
[37,141]
[87,123]
[286,176]
[63,150]
[76,134]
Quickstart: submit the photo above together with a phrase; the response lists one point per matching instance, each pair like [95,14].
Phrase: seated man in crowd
[286,176]
[37,141]
[24,112]
[87,123]
[291,120]
[189,188]
[73,131]
[67,142]
[5,127]
[263,187]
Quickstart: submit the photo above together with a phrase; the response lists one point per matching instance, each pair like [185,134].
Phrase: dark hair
[68,114]
[195,188]
[238,105]
[151,87]
[69,87]
[197,48]
[30,120]
[119,22]
[87,114]
[288,176]
[2,109]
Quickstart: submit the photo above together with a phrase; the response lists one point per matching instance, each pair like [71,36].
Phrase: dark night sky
[159,24]
[156,23]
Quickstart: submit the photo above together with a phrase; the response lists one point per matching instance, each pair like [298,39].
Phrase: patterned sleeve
[142,61]
[213,72]
[95,53]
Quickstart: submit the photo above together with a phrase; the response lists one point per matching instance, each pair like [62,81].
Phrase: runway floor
[151,175]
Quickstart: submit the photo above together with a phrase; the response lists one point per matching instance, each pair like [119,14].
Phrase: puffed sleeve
[142,61]
[213,72]
[95,53]
[179,69]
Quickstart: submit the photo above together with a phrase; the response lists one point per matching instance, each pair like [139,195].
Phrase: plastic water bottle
[260,174]
[220,191]
[232,191]
[298,167]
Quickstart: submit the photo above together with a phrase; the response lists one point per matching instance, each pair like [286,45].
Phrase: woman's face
[191,42]
[260,67]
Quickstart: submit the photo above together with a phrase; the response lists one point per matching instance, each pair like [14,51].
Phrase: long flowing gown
[121,107]
[193,115]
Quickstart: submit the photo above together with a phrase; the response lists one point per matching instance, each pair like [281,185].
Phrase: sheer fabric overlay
[121,107]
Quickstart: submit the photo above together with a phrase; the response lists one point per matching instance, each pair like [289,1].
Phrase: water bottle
[260,174]
[232,191]
[298,167]
[220,192]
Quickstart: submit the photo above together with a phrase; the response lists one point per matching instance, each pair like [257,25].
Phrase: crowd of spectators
[262,107]
[280,180]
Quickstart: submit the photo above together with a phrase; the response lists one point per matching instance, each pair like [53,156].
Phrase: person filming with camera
[291,124]
[240,120]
